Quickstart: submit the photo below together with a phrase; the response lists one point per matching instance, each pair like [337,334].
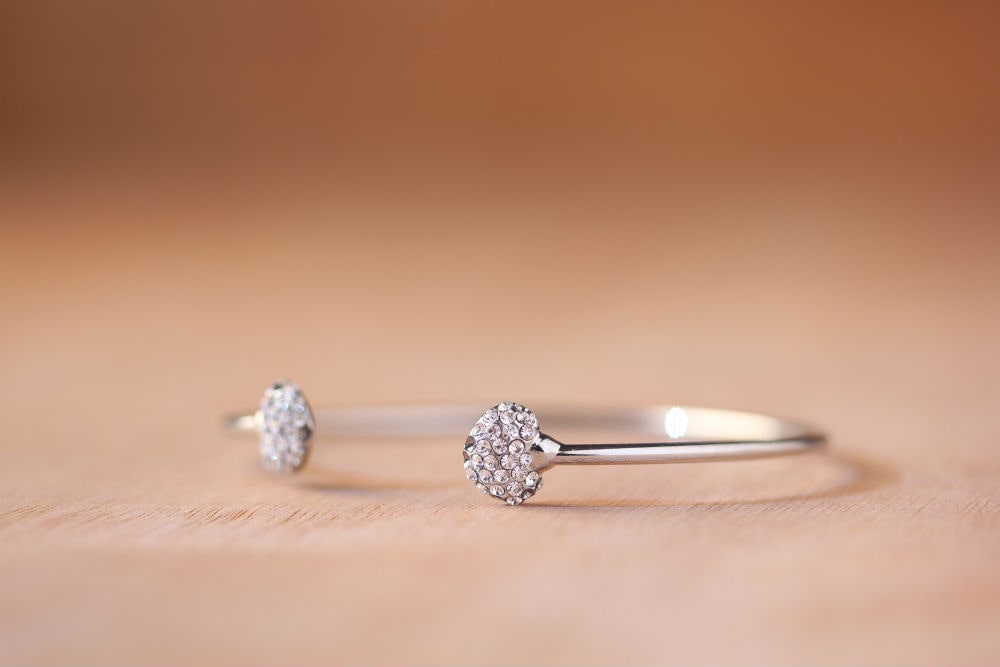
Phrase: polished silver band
[659,434]
[505,452]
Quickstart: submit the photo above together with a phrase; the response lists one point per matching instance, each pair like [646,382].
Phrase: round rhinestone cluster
[286,424]
[498,453]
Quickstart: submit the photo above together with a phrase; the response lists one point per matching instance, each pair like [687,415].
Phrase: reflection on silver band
[653,435]
[506,452]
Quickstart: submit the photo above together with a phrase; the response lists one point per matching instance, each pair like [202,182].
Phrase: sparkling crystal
[286,425]
[489,417]
[498,456]
[507,413]
[282,455]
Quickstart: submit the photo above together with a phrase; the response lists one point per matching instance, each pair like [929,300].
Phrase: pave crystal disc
[498,453]
[286,425]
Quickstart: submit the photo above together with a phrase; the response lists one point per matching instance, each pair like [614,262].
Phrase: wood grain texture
[135,530]
[789,209]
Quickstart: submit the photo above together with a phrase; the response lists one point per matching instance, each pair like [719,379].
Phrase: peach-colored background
[790,208]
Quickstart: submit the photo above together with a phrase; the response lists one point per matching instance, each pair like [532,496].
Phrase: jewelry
[506,452]
[285,423]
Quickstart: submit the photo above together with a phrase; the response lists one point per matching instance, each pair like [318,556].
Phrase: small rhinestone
[507,415]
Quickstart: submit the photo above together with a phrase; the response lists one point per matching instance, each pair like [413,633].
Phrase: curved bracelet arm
[698,434]
[380,420]
[676,451]
[676,433]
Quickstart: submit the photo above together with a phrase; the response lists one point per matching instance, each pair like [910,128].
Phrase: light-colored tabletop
[791,212]
[134,529]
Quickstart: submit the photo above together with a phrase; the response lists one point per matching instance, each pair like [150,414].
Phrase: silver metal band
[505,452]
[664,434]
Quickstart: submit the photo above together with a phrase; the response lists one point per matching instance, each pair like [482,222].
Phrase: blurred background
[784,206]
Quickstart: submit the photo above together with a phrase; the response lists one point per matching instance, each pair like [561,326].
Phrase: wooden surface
[748,205]
[135,530]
